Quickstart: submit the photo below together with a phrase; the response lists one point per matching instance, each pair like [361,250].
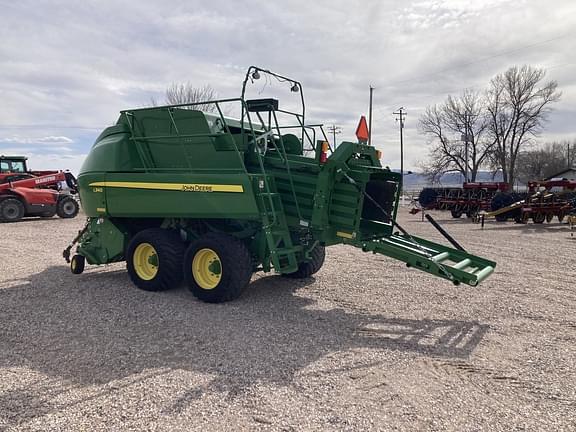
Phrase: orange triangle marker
[362,130]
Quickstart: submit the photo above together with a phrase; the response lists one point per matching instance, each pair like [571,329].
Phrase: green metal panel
[183,195]
[93,198]
[180,138]
[112,151]
[103,242]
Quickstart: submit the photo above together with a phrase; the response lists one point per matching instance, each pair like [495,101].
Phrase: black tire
[67,207]
[428,197]
[456,213]
[167,250]
[77,264]
[472,214]
[232,259]
[501,200]
[11,210]
[308,268]
[538,218]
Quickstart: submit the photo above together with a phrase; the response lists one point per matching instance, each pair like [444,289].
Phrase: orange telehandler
[34,193]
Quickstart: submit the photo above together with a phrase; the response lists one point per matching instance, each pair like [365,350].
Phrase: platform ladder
[282,250]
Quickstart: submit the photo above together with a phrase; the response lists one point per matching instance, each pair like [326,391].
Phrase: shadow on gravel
[96,328]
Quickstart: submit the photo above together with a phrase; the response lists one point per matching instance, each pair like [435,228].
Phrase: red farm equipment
[34,193]
[469,199]
[543,201]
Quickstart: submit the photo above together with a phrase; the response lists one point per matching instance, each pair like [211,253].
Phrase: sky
[67,68]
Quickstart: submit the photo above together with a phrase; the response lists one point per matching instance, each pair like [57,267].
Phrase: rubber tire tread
[80,264]
[236,264]
[60,208]
[18,203]
[308,268]
[170,250]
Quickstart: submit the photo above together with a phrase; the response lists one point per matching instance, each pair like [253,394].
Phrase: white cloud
[50,140]
[75,66]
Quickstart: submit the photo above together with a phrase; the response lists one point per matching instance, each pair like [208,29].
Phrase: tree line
[499,124]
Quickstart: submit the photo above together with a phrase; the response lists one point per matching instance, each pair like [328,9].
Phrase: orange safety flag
[362,130]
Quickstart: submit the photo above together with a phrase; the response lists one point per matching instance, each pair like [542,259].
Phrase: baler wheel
[154,259]
[77,264]
[11,210]
[308,268]
[217,268]
[67,207]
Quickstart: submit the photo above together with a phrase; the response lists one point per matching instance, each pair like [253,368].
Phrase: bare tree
[546,161]
[186,93]
[518,106]
[445,124]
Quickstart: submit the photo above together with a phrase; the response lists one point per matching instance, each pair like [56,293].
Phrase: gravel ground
[365,345]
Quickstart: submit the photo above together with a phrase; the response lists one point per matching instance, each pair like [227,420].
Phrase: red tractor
[34,193]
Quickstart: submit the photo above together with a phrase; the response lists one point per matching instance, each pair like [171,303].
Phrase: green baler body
[191,171]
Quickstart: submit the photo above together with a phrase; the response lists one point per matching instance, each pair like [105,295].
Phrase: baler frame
[289,207]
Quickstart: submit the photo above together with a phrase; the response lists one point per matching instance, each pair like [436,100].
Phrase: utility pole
[370,118]
[401,115]
[466,137]
[335,130]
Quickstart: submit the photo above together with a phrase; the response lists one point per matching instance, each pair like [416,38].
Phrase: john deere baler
[182,193]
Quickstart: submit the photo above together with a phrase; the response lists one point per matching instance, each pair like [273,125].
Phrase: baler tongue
[439,260]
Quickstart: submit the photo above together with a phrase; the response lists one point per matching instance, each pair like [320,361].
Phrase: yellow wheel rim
[145,260]
[207,268]
[73,263]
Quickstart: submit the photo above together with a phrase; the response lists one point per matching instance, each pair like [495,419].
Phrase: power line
[401,116]
[334,130]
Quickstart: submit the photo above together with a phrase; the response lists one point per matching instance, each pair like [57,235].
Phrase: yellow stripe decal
[183,187]
[101,209]
[344,234]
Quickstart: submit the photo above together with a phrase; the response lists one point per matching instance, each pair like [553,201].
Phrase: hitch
[66,252]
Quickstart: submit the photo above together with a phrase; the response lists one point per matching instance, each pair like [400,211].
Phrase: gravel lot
[365,345]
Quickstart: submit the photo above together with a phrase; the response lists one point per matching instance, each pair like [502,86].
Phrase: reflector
[362,130]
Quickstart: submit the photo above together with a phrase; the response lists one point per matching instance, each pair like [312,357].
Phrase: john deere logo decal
[182,187]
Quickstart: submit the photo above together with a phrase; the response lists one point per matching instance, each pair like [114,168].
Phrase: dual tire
[216,267]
